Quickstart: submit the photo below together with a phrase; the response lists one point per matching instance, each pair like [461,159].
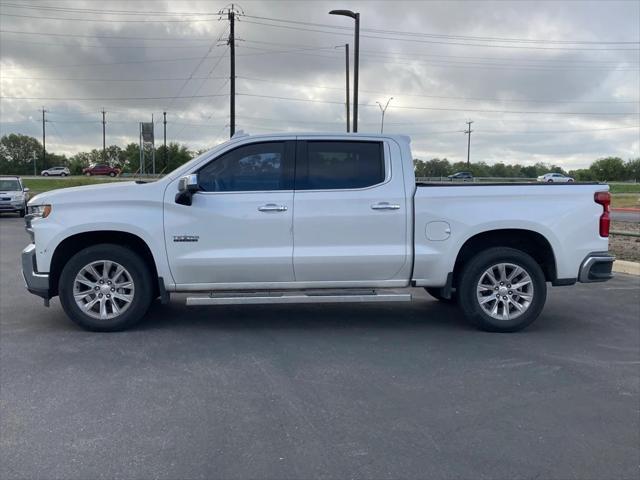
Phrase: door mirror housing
[187,186]
[25,189]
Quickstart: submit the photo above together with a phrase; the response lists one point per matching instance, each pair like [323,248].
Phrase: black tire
[63,174]
[112,174]
[22,212]
[471,276]
[88,174]
[140,275]
[437,294]
[45,174]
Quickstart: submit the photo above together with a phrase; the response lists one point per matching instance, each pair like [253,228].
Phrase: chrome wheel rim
[103,289]
[505,291]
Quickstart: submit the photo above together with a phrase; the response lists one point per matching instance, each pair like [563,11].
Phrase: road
[332,391]
[621,216]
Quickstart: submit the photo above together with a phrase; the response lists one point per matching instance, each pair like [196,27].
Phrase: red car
[101,170]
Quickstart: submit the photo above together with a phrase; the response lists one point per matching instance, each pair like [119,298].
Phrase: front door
[239,227]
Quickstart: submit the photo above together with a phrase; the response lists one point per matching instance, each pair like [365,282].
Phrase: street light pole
[383,110]
[356,60]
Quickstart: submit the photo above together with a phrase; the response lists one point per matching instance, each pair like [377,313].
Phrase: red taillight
[604,199]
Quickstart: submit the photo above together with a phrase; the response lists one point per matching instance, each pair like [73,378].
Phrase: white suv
[61,171]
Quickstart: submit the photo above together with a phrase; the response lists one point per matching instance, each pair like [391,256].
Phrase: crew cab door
[350,212]
[238,229]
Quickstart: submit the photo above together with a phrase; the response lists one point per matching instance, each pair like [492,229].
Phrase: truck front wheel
[502,290]
[105,288]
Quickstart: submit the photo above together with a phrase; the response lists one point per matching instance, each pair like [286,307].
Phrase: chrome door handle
[385,206]
[272,207]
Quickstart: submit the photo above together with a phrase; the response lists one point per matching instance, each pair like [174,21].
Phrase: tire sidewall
[471,275]
[129,260]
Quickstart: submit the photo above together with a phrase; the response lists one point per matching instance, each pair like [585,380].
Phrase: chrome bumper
[36,283]
[596,268]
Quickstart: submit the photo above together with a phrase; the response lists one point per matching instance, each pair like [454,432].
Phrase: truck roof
[403,138]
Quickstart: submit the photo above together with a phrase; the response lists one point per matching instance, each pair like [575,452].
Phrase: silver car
[555,178]
[60,171]
[13,195]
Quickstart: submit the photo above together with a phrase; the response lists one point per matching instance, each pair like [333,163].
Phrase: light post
[383,110]
[356,60]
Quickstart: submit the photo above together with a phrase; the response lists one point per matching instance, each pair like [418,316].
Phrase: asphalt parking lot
[338,391]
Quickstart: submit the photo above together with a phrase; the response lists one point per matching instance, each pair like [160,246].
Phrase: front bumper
[596,267]
[12,206]
[36,283]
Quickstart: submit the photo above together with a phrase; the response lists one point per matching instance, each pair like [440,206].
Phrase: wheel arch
[72,244]
[530,242]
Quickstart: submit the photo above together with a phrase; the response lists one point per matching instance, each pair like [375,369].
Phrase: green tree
[17,153]
[609,169]
[633,169]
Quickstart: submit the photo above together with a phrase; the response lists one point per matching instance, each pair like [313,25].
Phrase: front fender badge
[186,238]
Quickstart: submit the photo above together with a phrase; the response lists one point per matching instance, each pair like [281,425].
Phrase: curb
[623,266]
[626,209]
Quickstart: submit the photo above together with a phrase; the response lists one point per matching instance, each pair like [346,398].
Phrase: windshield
[10,185]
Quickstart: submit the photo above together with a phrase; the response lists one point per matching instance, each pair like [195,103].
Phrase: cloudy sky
[542,81]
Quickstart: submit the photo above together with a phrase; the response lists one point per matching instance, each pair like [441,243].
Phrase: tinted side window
[340,164]
[260,166]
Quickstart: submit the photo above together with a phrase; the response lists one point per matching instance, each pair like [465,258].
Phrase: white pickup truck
[312,218]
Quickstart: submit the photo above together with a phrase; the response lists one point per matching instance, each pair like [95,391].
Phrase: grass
[624,187]
[625,201]
[39,185]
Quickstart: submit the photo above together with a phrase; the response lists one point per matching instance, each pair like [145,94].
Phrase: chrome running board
[305,296]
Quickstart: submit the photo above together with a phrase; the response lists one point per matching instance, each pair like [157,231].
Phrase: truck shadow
[419,314]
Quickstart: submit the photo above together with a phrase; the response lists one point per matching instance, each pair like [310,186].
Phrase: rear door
[238,229]
[350,212]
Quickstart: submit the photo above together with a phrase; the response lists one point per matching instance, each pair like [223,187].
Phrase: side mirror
[187,186]
[25,189]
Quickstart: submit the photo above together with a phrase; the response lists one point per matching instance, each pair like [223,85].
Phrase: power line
[108,80]
[450,64]
[475,57]
[438,108]
[127,62]
[118,37]
[456,37]
[106,98]
[193,72]
[79,45]
[439,42]
[440,96]
[104,20]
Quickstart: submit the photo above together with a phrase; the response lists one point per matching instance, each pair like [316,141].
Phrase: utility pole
[44,147]
[104,142]
[153,146]
[164,124]
[383,110]
[231,12]
[468,132]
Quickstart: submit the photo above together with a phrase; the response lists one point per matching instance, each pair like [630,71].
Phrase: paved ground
[625,216]
[360,391]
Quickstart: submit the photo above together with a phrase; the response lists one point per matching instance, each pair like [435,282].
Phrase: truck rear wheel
[502,290]
[105,288]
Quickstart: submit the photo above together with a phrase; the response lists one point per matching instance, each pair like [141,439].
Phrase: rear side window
[254,167]
[334,165]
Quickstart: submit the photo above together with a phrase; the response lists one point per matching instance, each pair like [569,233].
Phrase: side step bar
[309,296]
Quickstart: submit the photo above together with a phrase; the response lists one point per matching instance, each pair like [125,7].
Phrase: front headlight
[39,211]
